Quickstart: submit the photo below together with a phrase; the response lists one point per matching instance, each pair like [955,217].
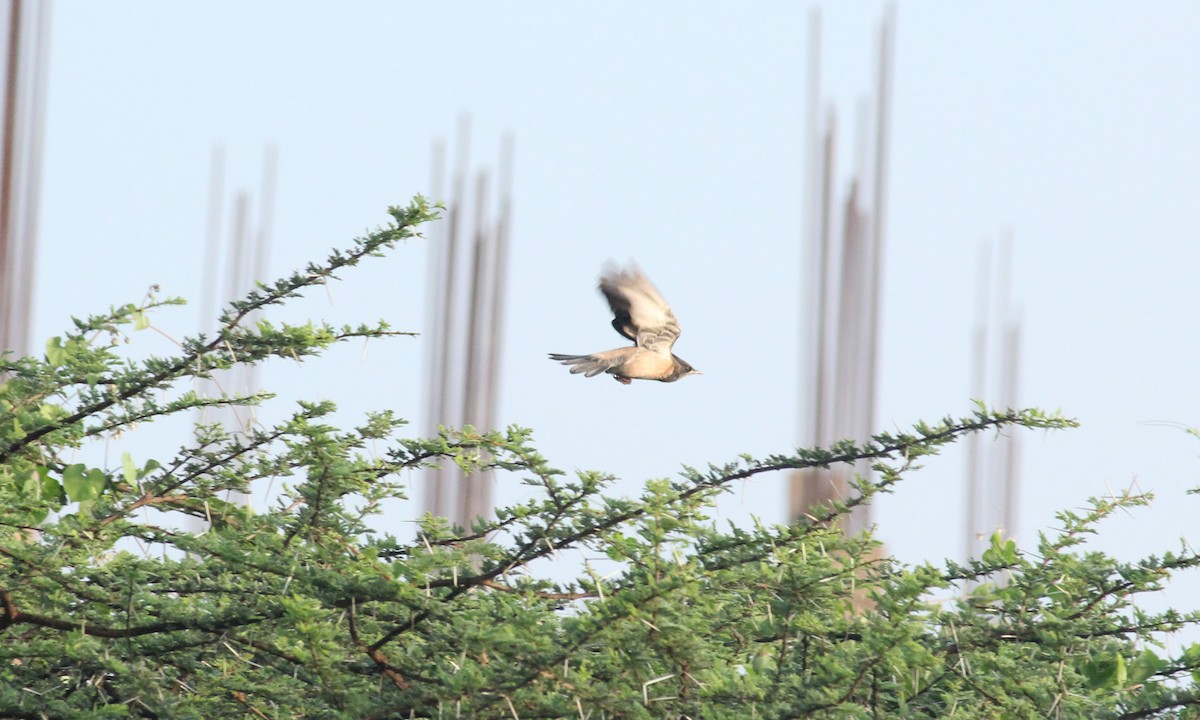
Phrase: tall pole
[844,237]
[11,314]
[468,287]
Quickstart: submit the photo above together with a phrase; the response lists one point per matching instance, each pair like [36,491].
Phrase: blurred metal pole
[469,286]
[860,519]
[993,474]
[441,500]
[232,268]
[475,373]
[844,307]
[500,281]
[23,116]
[979,354]
[9,243]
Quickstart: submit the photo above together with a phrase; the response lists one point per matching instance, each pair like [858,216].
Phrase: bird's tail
[591,365]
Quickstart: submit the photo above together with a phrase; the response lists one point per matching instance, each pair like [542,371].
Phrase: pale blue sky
[672,133]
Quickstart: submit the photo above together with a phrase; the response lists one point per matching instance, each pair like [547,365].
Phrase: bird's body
[644,317]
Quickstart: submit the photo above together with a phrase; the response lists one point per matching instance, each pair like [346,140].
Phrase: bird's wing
[641,313]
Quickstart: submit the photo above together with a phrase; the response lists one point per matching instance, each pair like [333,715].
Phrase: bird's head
[682,369]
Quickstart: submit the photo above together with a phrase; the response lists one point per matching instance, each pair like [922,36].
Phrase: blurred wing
[641,313]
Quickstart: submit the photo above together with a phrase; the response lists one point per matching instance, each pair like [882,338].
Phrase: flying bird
[645,318]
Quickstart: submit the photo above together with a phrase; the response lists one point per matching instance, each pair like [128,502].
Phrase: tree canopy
[308,608]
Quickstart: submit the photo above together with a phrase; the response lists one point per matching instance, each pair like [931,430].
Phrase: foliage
[306,609]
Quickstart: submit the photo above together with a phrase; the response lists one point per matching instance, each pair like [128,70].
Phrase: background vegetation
[307,609]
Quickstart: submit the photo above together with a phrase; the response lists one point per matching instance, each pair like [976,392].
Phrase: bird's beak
[695,372]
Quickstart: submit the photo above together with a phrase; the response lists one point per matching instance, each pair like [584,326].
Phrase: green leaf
[1105,673]
[140,321]
[1144,666]
[128,469]
[51,412]
[82,484]
[1001,552]
[39,486]
[55,352]
[1191,656]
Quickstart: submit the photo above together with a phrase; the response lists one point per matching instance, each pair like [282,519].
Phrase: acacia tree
[305,609]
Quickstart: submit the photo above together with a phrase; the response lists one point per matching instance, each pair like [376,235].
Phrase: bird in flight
[645,318]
